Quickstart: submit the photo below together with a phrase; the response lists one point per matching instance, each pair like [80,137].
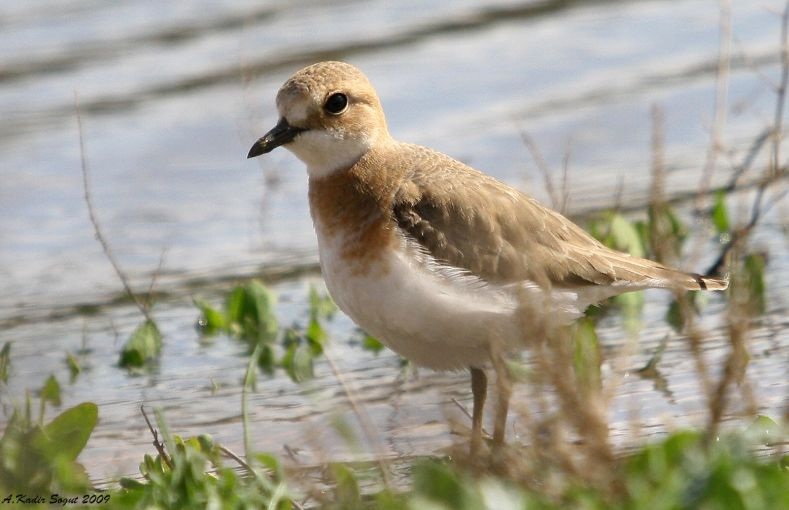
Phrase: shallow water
[171,99]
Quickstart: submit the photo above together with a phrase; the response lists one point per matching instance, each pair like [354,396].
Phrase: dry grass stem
[94,220]
[721,102]
[364,420]
[156,443]
[543,168]
[235,457]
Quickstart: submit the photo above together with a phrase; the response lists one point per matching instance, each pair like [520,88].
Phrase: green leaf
[764,430]
[73,366]
[263,301]
[518,370]
[67,434]
[437,482]
[720,215]
[143,345]
[625,236]
[270,462]
[211,320]
[674,314]
[586,355]
[678,229]
[131,484]
[346,489]
[631,305]
[370,343]
[250,314]
[266,359]
[5,362]
[234,306]
[644,234]
[297,362]
[665,227]
[316,336]
[754,266]
[321,307]
[50,393]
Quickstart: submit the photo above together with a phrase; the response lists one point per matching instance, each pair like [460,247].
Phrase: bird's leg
[479,388]
[504,387]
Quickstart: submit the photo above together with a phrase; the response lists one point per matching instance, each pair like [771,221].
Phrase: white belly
[438,319]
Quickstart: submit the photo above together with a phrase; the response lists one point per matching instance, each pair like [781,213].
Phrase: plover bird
[435,259]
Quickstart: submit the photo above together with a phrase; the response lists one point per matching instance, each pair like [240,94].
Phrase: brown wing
[471,221]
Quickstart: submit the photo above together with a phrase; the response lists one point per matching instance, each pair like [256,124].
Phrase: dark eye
[336,103]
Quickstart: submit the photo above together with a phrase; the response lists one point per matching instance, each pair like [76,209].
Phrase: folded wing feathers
[503,236]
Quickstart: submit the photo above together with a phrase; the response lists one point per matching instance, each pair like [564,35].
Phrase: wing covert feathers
[468,220]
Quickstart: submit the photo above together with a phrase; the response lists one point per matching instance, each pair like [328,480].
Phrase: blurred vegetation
[249,315]
[38,457]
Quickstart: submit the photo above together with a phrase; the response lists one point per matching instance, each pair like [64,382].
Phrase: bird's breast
[351,222]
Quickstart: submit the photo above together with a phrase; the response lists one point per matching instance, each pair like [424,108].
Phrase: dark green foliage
[663,234]
[753,275]
[39,459]
[720,214]
[684,471]
[249,314]
[370,343]
[144,345]
[50,393]
[196,477]
[5,362]
[73,365]
[445,486]
[619,233]
[674,314]
[347,495]
[586,354]
[687,471]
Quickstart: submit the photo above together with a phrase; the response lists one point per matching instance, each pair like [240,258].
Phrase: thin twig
[719,118]
[156,443]
[565,201]
[364,419]
[750,157]
[468,414]
[154,278]
[721,100]
[542,166]
[781,92]
[94,220]
[662,239]
[227,451]
[775,170]
[249,376]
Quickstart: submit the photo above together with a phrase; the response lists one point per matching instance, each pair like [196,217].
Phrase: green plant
[194,475]
[144,345]
[5,362]
[38,458]
[249,314]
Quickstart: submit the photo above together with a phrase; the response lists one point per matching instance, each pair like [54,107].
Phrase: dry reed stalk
[364,420]
[94,220]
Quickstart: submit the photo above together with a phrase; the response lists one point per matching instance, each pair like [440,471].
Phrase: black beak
[281,134]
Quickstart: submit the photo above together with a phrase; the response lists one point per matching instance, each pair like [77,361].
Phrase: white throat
[325,153]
